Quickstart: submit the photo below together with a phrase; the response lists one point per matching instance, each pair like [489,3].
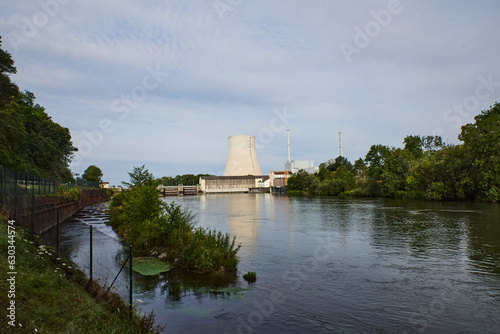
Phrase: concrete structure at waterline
[242,157]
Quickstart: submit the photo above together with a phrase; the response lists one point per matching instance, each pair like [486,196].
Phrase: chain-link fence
[32,201]
[91,244]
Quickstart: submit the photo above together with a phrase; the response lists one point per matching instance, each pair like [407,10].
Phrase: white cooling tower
[242,158]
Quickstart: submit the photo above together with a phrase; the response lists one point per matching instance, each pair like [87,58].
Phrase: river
[324,265]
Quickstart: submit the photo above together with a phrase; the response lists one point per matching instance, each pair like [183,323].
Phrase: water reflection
[391,266]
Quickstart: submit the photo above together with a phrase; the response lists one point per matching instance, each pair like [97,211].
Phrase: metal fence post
[57,232]
[32,225]
[90,254]
[15,195]
[130,274]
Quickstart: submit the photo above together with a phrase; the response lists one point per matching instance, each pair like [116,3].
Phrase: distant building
[231,184]
[104,185]
[278,178]
[295,165]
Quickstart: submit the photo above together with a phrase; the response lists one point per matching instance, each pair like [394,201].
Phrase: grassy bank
[51,296]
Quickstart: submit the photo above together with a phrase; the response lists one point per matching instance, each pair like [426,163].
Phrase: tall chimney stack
[288,133]
[340,143]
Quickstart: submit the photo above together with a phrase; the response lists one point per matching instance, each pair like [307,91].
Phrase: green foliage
[209,250]
[93,174]
[109,193]
[296,181]
[74,194]
[140,176]
[148,223]
[30,141]
[482,149]
[425,168]
[186,179]
[250,277]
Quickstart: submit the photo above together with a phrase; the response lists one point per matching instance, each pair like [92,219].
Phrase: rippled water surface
[324,265]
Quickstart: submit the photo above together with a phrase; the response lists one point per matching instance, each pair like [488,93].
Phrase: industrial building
[242,171]
[295,165]
[231,184]
[242,158]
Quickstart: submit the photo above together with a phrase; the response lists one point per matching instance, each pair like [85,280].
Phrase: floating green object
[149,266]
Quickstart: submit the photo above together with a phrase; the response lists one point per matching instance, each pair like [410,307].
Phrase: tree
[359,168]
[29,140]
[482,148]
[297,180]
[140,176]
[8,90]
[375,158]
[93,174]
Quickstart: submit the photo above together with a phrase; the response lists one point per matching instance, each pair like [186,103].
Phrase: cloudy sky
[165,83]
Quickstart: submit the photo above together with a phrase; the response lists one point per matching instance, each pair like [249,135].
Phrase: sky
[165,83]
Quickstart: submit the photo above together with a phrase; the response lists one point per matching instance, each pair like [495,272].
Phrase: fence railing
[32,201]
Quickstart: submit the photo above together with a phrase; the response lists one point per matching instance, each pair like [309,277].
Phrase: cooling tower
[242,158]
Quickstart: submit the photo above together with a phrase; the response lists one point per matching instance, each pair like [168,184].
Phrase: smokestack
[242,158]
[288,133]
[340,143]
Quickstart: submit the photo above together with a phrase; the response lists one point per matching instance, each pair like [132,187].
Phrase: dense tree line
[186,179]
[426,168]
[30,140]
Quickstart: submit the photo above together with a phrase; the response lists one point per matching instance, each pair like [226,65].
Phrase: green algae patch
[149,266]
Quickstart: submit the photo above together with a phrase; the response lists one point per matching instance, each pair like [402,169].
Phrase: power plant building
[295,165]
[242,158]
[242,171]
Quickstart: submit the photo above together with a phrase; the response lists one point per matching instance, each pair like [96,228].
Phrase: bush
[210,250]
[74,194]
[250,277]
[148,223]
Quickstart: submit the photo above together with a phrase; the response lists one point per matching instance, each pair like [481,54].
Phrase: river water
[324,265]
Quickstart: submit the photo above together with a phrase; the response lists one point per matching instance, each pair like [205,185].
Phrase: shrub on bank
[150,224]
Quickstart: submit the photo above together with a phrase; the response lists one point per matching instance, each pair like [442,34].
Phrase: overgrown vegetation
[74,194]
[51,296]
[30,141]
[426,168]
[250,277]
[150,224]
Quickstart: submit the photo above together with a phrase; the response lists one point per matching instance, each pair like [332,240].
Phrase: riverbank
[48,294]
